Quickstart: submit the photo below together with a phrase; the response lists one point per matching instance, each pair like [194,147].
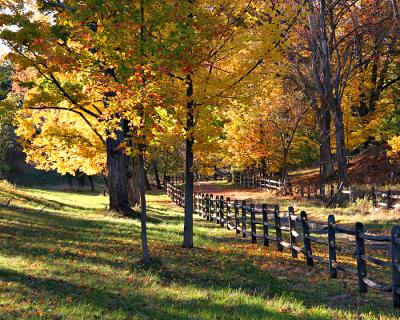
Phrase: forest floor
[63,256]
[371,167]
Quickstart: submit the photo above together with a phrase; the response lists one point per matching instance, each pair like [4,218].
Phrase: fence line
[328,193]
[287,230]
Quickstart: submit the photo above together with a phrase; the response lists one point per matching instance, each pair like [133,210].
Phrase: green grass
[62,256]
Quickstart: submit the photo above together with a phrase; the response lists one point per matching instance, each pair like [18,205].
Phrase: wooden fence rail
[328,193]
[300,235]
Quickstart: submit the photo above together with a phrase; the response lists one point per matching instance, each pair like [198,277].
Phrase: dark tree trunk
[143,213]
[340,145]
[157,176]
[105,180]
[146,180]
[118,176]
[284,163]
[91,183]
[325,143]
[69,177]
[188,225]
[133,183]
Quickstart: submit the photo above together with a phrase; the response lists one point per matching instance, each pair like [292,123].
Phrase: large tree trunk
[188,225]
[157,176]
[340,145]
[325,143]
[143,213]
[118,176]
[284,164]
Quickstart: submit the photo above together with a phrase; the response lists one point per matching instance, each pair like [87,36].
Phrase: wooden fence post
[221,211]
[292,231]
[396,266]
[210,213]
[265,224]
[253,225]
[203,205]
[373,197]
[301,189]
[323,196]
[236,208]
[389,200]
[332,246]
[308,191]
[244,219]
[194,202]
[217,218]
[360,251]
[306,240]
[315,190]
[207,213]
[332,192]
[278,231]
[228,212]
[350,195]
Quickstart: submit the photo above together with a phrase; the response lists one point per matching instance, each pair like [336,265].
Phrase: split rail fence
[328,193]
[316,242]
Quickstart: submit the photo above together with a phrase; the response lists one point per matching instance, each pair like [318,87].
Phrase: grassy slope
[63,257]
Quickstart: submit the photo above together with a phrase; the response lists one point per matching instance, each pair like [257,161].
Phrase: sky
[3,49]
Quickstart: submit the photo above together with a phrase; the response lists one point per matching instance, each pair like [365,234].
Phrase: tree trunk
[325,143]
[284,163]
[118,176]
[133,183]
[188,225]
[143,213]
[157,176]
[91,183]
[340,145]
[146,180]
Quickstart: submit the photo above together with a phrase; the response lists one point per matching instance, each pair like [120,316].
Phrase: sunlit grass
[62,256]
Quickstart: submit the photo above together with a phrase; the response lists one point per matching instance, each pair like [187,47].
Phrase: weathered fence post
[221,211]
[278,231]
[350,195]
[265,224]
[360,251]
[323,196]
[228,211]
[203,205]
[210,215]
[236,208]
[292,231]
[396,266]
[253,225]
[244,219]
[207,213]
[332,246]
[373,197]
[315,190]
[217,203]
[308,191]
[301,189]
[306,240]
[389,200]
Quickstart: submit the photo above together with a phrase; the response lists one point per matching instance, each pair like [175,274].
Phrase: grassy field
[62,256]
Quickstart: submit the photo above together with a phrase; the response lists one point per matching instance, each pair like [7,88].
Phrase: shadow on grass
[34,234]
[139,303]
